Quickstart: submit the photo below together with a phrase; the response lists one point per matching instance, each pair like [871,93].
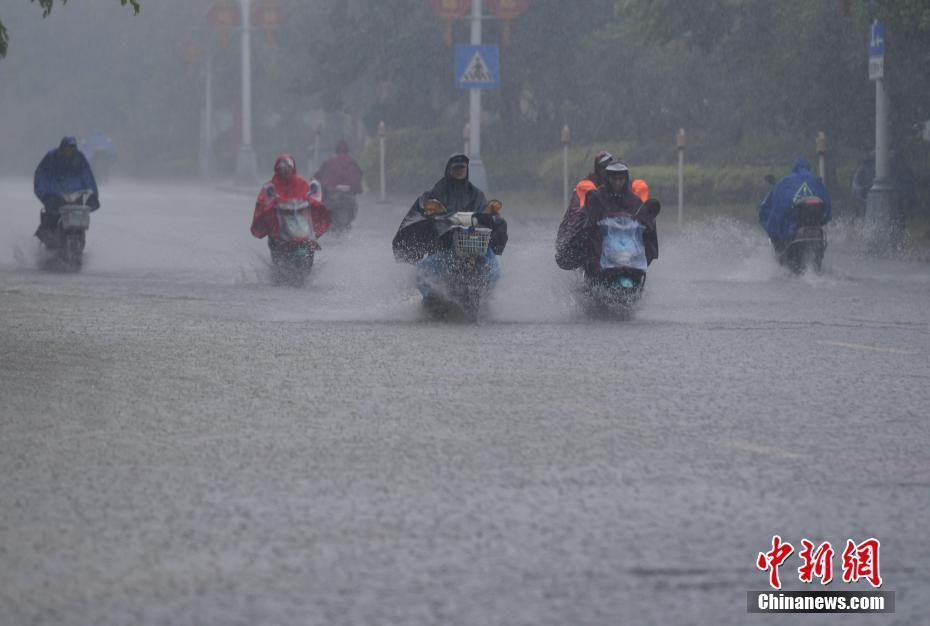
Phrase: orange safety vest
[582,188]
[639,187]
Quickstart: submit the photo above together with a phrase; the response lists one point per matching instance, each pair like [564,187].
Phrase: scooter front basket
[74,217]
[471,242]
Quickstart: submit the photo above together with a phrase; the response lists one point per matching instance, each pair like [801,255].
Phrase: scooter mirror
[493,207]
[433,207]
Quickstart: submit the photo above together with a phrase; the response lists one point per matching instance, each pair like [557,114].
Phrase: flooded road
[182,442]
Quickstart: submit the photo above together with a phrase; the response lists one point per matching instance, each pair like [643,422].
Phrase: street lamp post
[246,166]
[206,140]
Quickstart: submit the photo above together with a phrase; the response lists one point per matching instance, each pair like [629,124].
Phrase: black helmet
[617,169]
[617,166]
[602,160]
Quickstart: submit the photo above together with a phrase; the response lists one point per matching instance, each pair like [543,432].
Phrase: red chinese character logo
[772,560]
[817,563]
[861,561]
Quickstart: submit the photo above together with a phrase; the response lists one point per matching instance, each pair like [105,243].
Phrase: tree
[47,6]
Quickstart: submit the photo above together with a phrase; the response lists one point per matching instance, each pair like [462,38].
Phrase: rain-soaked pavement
[183,443]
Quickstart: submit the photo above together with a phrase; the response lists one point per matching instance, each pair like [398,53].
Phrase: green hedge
[416,156]
[704,184]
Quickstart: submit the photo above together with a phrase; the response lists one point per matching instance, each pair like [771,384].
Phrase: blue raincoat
[776,214]
[57,174]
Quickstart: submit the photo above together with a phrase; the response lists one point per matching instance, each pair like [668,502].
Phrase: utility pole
[476,171]
[246,166]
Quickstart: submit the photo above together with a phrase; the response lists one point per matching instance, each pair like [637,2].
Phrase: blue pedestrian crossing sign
[477,66]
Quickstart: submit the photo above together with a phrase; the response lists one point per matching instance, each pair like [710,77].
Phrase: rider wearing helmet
[580,242]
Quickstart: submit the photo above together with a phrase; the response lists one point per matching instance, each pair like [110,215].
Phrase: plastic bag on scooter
[622,243]
[294,223]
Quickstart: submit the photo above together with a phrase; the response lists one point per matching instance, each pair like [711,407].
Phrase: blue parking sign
[477,67]
[877,51]
[877,40]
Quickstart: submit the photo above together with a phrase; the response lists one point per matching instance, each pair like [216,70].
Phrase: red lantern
[191,52]
[268,15]
[449,9]
[507,9]
[225,15]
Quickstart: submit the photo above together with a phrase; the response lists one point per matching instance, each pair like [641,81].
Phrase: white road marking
[748,446]
[859,346]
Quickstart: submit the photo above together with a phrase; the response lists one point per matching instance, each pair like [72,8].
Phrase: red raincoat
[340,169]
[265,221]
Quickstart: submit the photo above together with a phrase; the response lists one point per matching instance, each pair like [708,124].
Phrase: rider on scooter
[580,237]
[416,236]
[565,254]
[63,170]
[285,185]
[340,169]
[775,214]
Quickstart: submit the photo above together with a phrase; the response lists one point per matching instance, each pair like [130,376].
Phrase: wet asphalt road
[183,443]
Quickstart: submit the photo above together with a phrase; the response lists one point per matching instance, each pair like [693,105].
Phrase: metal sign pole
[882,170]
[477,173]
[884,223]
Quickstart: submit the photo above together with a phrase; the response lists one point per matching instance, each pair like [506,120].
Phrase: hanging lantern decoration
[225,16]
[507,10]
[268,15]
[449,10]
[191,52]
